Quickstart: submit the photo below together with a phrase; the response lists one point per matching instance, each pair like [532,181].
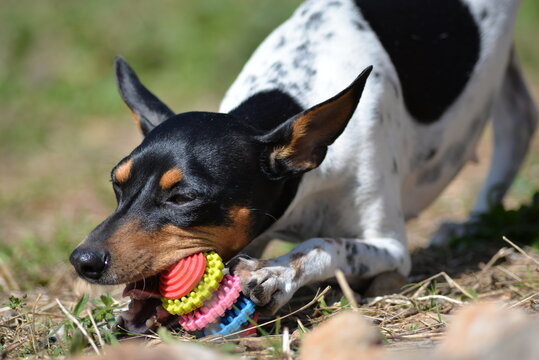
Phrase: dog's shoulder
[319,50]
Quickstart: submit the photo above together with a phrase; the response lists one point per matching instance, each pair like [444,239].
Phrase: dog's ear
[147,110]
[300,144]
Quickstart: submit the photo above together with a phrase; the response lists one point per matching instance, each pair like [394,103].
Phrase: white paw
[267,284]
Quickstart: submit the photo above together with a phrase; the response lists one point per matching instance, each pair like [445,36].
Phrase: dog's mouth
[145,312]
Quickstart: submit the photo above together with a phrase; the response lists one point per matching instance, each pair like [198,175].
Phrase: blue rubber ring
[234,319]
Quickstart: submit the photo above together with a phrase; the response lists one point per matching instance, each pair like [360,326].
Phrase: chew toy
[196,289]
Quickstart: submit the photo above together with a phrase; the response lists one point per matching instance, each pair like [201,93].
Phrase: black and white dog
[280,160]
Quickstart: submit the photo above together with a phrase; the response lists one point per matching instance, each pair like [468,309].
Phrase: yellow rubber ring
[204,289]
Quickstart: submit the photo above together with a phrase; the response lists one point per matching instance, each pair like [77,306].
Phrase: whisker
[264,213]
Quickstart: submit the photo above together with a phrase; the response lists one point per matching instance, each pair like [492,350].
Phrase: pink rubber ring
[178,280]
[222,300]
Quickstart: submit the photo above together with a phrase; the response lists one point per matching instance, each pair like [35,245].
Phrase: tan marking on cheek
[136,253]
[170,178]
[235,237]
[123,172]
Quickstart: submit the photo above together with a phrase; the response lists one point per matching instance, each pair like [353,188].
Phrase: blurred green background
[63,126]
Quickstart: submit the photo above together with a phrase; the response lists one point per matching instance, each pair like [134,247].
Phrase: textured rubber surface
[221,301]
[204,289]
[181,278]
[234,319]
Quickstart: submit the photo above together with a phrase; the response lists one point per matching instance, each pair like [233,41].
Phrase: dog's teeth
[150,322]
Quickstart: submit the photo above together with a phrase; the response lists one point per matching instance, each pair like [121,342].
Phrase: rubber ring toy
[221,301]
[173,282]
[233,319]
[203,290]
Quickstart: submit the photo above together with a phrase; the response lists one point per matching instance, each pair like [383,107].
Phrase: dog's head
[202,181]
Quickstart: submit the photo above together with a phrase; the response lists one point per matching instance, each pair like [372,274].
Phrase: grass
[63,127]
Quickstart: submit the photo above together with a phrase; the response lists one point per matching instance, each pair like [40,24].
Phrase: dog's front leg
[272,283]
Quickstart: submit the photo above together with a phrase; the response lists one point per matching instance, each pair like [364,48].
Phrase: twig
[509,273]
[452,282]
[101,342]
[286,344]
[423,284]
[300,325]
[519,249]
[393,299]
[524,300]
[10,279]
[33,324]
[345,287]
[439,297]
[503,252]
[79,325]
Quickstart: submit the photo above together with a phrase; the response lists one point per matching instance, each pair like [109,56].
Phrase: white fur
[356,195]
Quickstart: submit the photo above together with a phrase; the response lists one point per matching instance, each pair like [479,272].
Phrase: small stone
[477,328]
[347,335]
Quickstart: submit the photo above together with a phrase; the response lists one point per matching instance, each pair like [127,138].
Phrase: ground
[63,128]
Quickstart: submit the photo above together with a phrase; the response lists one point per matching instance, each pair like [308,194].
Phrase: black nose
[90,263]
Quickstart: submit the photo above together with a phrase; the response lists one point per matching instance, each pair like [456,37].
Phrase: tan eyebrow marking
[122,173]
[170,178]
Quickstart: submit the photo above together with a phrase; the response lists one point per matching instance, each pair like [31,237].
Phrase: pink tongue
[143,289]
[140,294]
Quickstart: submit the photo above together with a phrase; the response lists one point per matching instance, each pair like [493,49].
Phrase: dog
[305,150]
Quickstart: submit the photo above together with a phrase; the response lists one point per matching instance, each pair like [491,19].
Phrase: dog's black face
[203,181]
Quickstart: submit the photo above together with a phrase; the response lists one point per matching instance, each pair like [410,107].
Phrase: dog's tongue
[143,289]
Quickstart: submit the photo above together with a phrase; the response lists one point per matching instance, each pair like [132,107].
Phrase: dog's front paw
[447,231]
[266,283]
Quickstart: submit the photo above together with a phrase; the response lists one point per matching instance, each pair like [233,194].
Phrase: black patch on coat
[359,25]
[268,109]
[434,46]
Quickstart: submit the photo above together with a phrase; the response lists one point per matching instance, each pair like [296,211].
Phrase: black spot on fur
[329,35]
[281,43]
[370,247]
[430,154]
[252,284]
[395,166]
[484,14]
[314,20]
[434,46]
[360,269]
[430,175]
[335,3]
[359,25]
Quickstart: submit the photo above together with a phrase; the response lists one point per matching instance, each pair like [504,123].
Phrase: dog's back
[437,70]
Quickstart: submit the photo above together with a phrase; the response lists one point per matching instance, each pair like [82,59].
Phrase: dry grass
[414,318]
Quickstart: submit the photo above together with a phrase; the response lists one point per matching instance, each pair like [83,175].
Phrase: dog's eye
[178,199]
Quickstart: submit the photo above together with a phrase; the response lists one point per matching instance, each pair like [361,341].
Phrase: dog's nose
[90,263]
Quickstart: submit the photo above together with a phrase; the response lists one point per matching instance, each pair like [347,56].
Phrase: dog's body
[441,69]
[387,166]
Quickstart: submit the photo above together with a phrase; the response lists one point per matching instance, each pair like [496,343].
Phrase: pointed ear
[300,144]
[147,110]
